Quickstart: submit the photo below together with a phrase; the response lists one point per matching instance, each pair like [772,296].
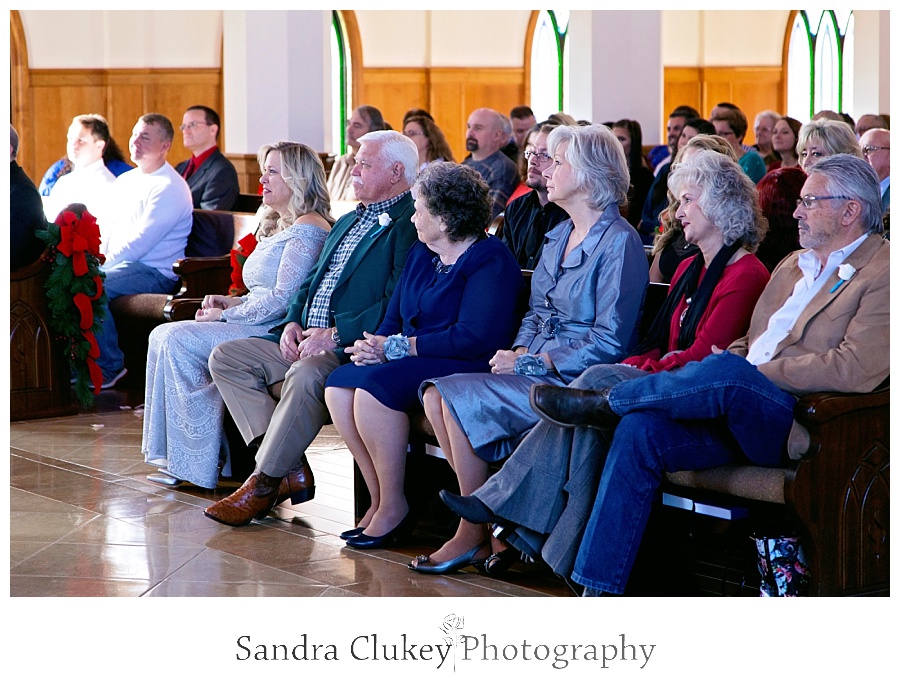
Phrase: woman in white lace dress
[183,411]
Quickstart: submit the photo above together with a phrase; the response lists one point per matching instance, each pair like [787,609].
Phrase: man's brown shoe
[570,407]
[254,499]
[299,484]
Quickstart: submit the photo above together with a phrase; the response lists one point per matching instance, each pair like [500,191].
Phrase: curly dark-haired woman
[454,306]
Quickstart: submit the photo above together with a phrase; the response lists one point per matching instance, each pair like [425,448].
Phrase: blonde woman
[183,409]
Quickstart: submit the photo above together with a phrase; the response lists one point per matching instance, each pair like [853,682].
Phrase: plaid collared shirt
[366,218]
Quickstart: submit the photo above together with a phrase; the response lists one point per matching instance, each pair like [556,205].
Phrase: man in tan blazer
[821,324]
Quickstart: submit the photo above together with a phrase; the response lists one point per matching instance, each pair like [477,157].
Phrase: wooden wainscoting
[751,88]
[448,93]
[120,95]
[248,171]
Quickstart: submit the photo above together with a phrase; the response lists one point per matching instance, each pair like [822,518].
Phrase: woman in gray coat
[586,298]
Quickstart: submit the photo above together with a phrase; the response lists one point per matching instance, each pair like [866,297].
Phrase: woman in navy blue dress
[453,308]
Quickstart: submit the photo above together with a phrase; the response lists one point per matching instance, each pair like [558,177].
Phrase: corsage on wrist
[528,364]
[396,346]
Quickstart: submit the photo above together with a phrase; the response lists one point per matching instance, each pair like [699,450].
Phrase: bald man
[484,139]
[876,148]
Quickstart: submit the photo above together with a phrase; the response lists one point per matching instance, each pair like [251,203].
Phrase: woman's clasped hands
[213,305]
[367,351]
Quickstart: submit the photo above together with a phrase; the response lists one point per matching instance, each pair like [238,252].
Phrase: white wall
[408,38]
[99,39]
[443,38]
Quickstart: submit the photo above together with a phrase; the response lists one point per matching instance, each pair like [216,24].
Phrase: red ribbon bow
[77,236]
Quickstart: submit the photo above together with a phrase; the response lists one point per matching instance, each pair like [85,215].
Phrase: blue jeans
[125,278]
[709,413]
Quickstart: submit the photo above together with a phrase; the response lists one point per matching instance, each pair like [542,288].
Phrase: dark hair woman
[453,307]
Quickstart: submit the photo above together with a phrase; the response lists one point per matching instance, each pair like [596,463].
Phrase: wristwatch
[335,337]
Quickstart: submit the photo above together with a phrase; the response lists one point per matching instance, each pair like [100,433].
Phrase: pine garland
[75,295]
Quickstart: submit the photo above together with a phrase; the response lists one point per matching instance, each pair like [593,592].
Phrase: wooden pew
[39,371]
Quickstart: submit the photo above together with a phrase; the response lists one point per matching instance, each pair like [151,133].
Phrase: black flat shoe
[353,532]
[424,564]
[500,562]
[402,530]
[469,508]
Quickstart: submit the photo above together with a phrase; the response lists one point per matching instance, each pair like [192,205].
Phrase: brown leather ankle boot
[254,499]
[299,485]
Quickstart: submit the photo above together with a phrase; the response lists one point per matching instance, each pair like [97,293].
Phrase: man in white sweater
[143,230]
[90,181]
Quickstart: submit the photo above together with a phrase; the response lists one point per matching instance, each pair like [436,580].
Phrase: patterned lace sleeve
[269,304]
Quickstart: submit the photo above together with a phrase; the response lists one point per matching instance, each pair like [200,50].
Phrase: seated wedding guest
[784,141]
[731,125]
[485,136]
[586,298]
[544,492]
[778,193]
[183,410]
[416,112]
[695,127]
[26,213]
[523,120]
[821,324]
[209,174]
[54,173]
[763,126]
[628,132]
[429,140]
[363,120]
[526,176]
[528,218]
[670,247]
[346,294]
[681,128]
[113,158]
[143,230]
[453,307]
[820,138]
[866,122]
[90,181]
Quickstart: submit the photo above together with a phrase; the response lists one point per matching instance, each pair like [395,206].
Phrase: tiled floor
[85,521]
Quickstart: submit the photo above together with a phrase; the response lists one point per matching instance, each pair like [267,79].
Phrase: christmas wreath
[75,293]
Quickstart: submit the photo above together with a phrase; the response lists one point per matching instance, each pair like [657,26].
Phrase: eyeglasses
[809,201]
[191,125]
[541,157]
[868,150]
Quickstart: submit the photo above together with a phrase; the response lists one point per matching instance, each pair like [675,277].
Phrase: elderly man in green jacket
[346,293]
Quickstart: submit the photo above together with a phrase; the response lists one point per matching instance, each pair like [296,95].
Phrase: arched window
[549,63]
[819,62]
[340,82]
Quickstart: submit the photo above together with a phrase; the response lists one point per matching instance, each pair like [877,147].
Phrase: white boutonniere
[384,219]
[845,272]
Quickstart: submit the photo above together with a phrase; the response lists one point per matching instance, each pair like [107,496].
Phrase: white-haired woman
[586,295]
[183,410]
[544,492]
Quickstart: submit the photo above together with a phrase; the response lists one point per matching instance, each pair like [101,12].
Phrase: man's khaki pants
[244,369]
